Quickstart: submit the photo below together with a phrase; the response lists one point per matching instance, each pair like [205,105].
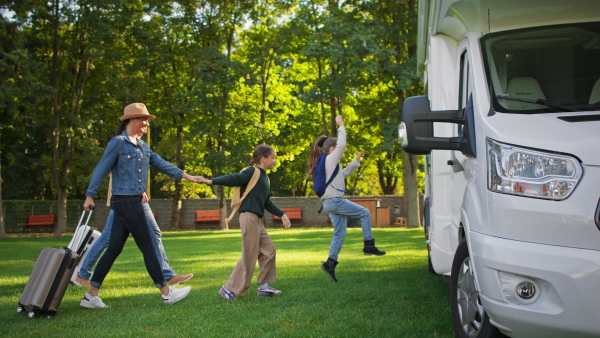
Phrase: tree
[397,59]
[167,48]
[2,231]
[222,76]
[222,122]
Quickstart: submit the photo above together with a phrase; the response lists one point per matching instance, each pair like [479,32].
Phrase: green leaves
[220,76]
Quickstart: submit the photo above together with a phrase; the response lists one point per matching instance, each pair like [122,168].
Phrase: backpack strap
[236,200]
[333,175]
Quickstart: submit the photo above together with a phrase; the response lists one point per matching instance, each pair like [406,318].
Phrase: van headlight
[402,134]
[525,172]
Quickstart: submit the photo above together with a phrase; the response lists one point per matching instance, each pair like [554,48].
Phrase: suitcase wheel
[20,309]
[31,314]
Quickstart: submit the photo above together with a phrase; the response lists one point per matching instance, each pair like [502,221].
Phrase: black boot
[329,268]
[371,249]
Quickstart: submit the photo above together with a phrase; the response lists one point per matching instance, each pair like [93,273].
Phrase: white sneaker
[92,302]
[176,294]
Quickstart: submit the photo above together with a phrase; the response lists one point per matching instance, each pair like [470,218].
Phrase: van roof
[456,17]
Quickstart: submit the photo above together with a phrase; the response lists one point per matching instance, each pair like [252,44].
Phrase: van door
[457,158]
[447,172]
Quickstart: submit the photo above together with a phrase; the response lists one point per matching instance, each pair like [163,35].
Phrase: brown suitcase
[48,282]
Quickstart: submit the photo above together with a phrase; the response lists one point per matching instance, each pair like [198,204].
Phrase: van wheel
[468,315]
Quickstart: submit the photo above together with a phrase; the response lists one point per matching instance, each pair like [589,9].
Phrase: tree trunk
[387,181]
[61,212]
[333,105]
[2,231]
[324,119]
[332,115]
[411,188]
[176,214]
[220,191]
[55,112]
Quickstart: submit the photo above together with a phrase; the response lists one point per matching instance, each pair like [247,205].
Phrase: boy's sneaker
[226,293]
[176,294]
[268,291]
[92,302]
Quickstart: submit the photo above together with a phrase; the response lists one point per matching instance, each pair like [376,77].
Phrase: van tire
[464,299]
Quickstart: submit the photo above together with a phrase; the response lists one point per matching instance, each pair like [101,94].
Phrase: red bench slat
[39,221]
[292,214]
[207,216]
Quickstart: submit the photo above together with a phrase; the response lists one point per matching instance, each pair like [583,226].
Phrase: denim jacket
[129,165]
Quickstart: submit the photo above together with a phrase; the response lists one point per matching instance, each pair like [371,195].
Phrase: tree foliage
[221,76]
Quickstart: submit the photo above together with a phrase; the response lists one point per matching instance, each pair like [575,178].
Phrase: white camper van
[510,126]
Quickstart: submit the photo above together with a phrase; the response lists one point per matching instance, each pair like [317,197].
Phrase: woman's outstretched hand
[195,179]
[203,180]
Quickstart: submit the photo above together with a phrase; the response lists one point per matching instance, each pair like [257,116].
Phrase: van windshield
[546,69]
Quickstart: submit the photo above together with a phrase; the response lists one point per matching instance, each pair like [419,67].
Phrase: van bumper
[567,283]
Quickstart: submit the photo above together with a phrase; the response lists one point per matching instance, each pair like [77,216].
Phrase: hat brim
[135,116]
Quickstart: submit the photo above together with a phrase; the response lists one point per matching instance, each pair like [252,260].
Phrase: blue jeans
[129,218]
[102,242]
[339,209]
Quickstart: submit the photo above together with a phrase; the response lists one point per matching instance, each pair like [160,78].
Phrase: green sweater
[259,199]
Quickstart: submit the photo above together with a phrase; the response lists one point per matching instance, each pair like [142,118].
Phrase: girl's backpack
[319,182]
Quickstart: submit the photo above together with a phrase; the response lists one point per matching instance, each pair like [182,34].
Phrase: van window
[556,66]
[464,81]
[465,88]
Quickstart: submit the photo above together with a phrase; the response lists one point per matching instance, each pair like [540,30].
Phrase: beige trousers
[256,245]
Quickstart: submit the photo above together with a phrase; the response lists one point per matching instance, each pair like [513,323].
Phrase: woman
[128,158]
[256,243]
[339,208]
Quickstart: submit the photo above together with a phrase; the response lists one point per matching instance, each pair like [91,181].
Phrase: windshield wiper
[538,101]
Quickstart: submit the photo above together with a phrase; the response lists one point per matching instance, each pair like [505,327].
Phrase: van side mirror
[416,129]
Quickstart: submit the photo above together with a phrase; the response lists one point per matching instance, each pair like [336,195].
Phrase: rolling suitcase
[83,239]
[48,282]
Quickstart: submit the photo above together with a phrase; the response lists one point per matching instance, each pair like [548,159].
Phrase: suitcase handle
[88,218]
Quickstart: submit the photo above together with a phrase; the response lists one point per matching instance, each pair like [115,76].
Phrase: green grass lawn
[388,296]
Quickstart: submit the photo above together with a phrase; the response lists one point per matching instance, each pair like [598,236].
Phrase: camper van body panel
[552,242]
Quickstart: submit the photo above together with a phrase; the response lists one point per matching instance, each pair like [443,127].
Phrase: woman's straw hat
[135,110]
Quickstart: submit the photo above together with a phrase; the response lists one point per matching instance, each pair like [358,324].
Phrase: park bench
[294,214]
[203,217]
[207,216]
[39,221]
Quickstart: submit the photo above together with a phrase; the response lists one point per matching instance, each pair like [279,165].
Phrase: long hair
[261,150]
[122,127]
[320,146]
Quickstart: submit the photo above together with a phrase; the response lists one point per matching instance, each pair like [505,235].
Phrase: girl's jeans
[339,209]
[102,242]
[129,218]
